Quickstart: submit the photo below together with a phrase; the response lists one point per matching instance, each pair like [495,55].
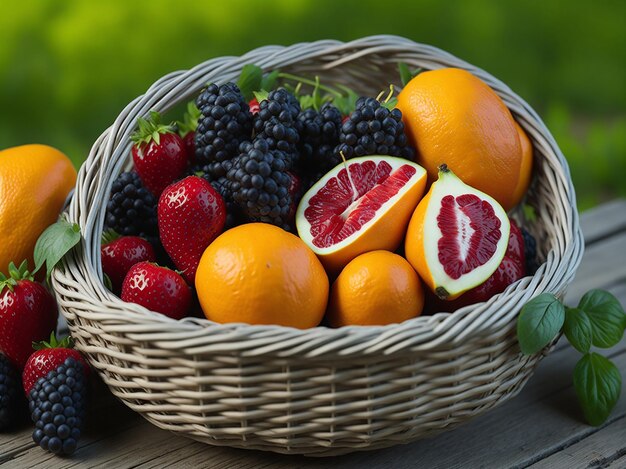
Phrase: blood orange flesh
[457,236]
[341,215]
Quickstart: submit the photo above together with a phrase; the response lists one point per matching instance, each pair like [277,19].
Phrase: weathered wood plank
[597,450]
[603,264]
[603,220]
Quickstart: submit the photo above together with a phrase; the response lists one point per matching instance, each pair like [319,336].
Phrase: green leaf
[261,95]
[250,80]
[346,103]
[406,75]
[607,316]
[390,103]
[539,322]
[268,82]
[598,385]
[577,329]
[54,243]
[529,213]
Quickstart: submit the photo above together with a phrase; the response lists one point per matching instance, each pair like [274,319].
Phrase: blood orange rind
[338,226]
[457,236]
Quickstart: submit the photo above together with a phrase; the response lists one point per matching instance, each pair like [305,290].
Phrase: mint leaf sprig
[598,320]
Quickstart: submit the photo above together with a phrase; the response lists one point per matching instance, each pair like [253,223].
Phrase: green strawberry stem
[53,342]
[190,120]
[307,81]
[150,129]
[15,275]
[109,236]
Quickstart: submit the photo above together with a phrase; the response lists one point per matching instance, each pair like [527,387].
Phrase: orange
[34,183]
[260,274]
[453,117]
[375,288]
[526,166]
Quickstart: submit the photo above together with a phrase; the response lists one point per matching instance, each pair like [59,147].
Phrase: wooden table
[541,427]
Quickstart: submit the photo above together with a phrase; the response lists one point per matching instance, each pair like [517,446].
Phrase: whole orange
[375,288]
[453,117]
[526,165]
[260,274]
[34,183]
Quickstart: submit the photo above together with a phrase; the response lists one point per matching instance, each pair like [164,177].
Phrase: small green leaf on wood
[577,329]
[54,243]
[607,317]
[539,322]
[598,385]
[250,80]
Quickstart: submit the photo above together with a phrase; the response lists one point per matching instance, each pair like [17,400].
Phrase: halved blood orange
[457,236]
[347,214]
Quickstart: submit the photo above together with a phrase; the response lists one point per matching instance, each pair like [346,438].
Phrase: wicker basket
[319,391]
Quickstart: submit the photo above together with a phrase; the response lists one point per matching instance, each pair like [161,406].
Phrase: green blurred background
[68,67]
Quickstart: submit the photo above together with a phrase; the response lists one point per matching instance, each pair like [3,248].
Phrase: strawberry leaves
[599,320]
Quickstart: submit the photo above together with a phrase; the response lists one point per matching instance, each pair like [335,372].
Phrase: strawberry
[157,288]
[190,214]
[28,313]
[187,130]
[510,270]
[158,153]
[254,106]
[47,357]
[55,380]
[119,254]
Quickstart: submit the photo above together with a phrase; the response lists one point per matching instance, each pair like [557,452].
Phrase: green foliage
[599,320]
[68,67]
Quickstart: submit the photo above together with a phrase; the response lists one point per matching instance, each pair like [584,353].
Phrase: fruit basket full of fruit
[311,262]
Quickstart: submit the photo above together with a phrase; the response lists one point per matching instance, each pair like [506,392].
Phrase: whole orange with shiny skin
[375,288]
[34,183]
[453,117]
[260,274]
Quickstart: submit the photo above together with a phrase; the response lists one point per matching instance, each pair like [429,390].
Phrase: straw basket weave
[318,391]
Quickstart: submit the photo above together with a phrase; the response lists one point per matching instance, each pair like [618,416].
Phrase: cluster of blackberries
[57,407]
[252,160]
[372,129]
[10,393]
[131,210]
[530,252]
[224,123]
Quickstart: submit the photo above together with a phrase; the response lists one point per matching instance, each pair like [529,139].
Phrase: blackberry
[319,137]
[277,123]
[222,185]
[225,121]
[131,210]
[373,129]
[57,407]
[10,393]
[260,183]
[530,252]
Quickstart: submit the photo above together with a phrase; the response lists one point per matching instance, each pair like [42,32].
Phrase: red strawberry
[157,288]
[510,270]
[158,153]
[187,130]
[191,214]
[254,106]
[119,254]
[49,356]
[28,313]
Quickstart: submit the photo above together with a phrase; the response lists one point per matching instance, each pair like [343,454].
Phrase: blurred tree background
[68,67]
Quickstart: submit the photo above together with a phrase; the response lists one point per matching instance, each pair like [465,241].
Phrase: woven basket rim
[440,328]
